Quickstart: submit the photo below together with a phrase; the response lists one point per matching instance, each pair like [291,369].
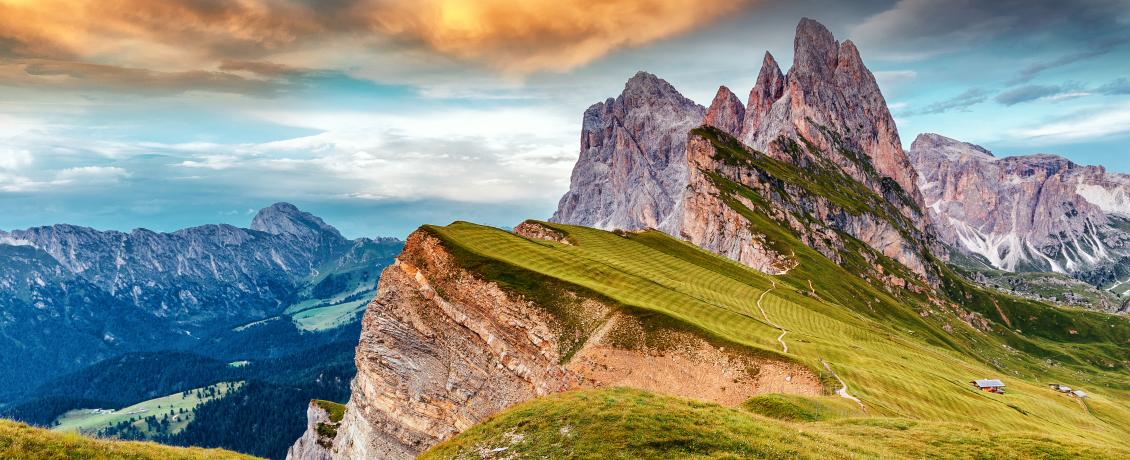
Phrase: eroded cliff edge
[445,346]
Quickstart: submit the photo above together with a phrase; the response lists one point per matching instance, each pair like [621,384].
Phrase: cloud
[920,29]
[88,76]
[895,77]
[12,160]
[179,37]
[1083,125]
[962,101]
[1033,92]
[1094,50]
[917,29]
[263,68]
[1116,87]
[91,175]
[531,36]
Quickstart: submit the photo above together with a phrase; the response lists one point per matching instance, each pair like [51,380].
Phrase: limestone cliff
[1027,213]
[443,348]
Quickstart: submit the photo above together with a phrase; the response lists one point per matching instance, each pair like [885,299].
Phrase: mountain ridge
[101,293]
[1027,213]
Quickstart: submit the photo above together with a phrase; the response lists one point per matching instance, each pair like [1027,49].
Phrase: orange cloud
[513,36]
[533,35]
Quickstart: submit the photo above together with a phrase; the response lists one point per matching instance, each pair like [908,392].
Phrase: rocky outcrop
[442,349]
[726,112]
[537,231]
[313,445]
[712,224]
[1026,213]
[631,171]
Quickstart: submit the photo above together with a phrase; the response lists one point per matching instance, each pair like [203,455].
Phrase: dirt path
[843,391]
[780,338]
[1083,403]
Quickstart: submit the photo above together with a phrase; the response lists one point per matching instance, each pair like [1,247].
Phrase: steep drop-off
[445,346]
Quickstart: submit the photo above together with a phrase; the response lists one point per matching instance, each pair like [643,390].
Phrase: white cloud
[90,175]
[11,126]
[895,77]
[1085,124]
[12,159]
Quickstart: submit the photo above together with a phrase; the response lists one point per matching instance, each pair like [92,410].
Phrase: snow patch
[1114,200]
[7,240]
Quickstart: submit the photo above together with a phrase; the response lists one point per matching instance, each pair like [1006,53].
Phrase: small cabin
[1060,388]
[989,385]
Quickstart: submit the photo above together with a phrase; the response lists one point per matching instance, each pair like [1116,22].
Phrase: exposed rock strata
[442,349]
[1026,213]
[312,445]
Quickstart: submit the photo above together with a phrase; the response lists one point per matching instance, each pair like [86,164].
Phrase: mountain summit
[645,162]
[287,219]
[631,172]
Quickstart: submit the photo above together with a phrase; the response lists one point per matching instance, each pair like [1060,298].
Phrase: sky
[382,115]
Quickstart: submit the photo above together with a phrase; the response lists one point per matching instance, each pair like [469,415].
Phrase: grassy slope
[899,363]
[83,421]
[624,423]
[21,441]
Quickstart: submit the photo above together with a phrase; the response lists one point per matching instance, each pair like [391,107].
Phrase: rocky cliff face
[825,115]
[631,171]
[1026,213]
[313,445]
[443,348]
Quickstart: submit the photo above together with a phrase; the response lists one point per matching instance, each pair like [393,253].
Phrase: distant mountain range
[72,296]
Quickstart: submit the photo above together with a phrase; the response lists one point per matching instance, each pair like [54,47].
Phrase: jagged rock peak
[815,49]
[647,90]
[832,100]
[952,148]
[631,170]
[770,86]
[287,219]
[726,112]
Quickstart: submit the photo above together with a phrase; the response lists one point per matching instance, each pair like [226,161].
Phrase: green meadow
[91,421]
[19,441]
[906,358]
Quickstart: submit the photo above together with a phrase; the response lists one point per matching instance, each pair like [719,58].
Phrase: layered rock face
[631,171]
[1025,213]
[313,445]
[827,112]
[442,349]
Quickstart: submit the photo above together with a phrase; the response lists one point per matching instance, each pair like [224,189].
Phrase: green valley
[169,414]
